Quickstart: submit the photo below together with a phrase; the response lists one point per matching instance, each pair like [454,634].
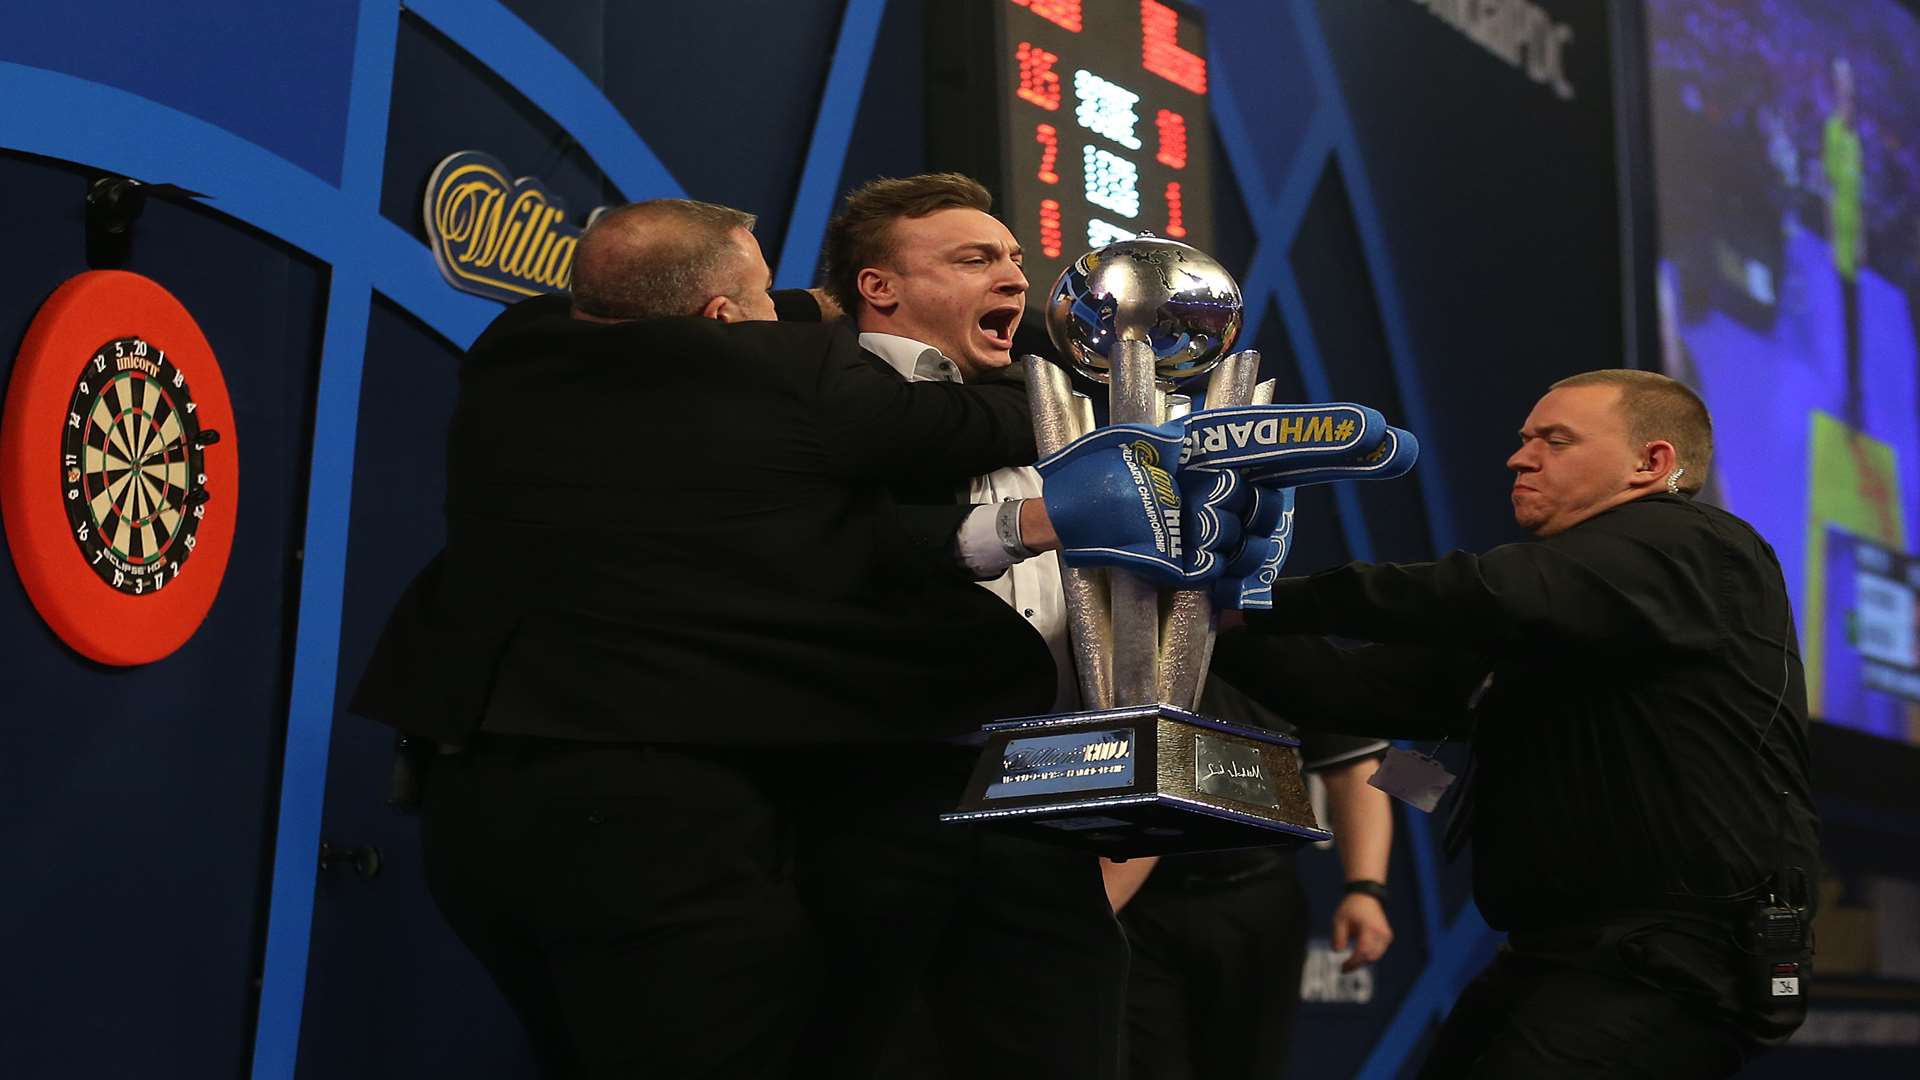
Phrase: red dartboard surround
[119,468]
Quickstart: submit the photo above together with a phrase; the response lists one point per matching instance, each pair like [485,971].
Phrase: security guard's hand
[1361,920]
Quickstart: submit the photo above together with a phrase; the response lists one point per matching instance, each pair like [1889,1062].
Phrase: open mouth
[998,326]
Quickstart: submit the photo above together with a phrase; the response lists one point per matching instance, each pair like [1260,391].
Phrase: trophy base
[1141,780]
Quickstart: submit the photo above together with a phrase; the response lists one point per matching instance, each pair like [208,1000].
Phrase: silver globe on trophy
[1139,772]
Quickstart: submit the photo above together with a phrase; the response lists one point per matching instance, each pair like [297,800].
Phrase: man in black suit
[675,587]
[1008,947]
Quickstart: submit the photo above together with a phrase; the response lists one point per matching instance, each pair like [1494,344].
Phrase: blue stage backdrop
[1423,213]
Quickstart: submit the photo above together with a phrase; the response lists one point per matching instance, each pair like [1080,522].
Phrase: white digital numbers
[1101,233]
[1113,182]
[1114,81]
[1106,108]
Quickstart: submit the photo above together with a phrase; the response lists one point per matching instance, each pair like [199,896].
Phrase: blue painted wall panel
[136,804]
[444,101]
[728,105]
[273,74]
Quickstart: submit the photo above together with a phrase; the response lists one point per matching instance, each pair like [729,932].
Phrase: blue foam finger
[1211,498]
[1265,515]
[1113,501]
[1166,439]
[1246,561]
[1261,436]
[1215,501]
[1248,580]
[1394,456]
[1269,508]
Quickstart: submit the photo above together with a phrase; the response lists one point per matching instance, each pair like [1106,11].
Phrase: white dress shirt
[1030,586]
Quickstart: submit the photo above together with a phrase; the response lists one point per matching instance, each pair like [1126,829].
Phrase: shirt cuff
[978,541]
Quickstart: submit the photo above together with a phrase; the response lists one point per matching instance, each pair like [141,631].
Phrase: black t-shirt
[1643,741]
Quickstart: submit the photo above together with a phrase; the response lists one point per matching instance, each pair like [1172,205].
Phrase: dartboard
[119,475]
[131,459]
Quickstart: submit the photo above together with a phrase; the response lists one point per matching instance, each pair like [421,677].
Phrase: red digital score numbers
[1062,13]
[1049,140]
[1039,83]
[1160,51]
[1173,139]
[1050,228]
[1115,185]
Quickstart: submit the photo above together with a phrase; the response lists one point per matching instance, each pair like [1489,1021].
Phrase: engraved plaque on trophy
[1139,773]
[1144,780]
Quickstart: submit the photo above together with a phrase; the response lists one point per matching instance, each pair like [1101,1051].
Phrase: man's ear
[1657,461]
[723,309]
[876,288]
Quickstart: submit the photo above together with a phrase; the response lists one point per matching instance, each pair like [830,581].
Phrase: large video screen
[1786,156]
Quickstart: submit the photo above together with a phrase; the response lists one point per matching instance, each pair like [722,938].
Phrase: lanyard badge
[1418,779]
[1413,778]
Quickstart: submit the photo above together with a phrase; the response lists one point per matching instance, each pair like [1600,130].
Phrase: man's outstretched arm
[1397,691]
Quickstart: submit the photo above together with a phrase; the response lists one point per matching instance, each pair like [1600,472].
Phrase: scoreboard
[1087,119]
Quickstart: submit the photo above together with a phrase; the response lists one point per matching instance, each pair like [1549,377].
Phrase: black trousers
[1215,977]
[636,905]
[1529,1016]
[666,912]
[956,952]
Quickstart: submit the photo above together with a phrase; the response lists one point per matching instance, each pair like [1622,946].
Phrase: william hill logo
[501,238]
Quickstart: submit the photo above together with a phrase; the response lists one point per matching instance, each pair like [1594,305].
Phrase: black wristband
[1375,889]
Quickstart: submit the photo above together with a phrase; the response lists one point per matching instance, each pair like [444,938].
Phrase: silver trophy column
[1137,314]
[1059,417]
[1137,772]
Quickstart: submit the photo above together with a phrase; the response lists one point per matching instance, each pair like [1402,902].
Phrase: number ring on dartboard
[119,472]
[133,466]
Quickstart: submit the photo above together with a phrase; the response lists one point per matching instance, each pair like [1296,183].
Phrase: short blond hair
[1657,407]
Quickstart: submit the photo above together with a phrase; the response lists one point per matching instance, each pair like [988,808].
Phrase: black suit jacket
[677,530]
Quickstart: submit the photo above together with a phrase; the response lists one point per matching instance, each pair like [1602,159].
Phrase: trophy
[1139,772]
